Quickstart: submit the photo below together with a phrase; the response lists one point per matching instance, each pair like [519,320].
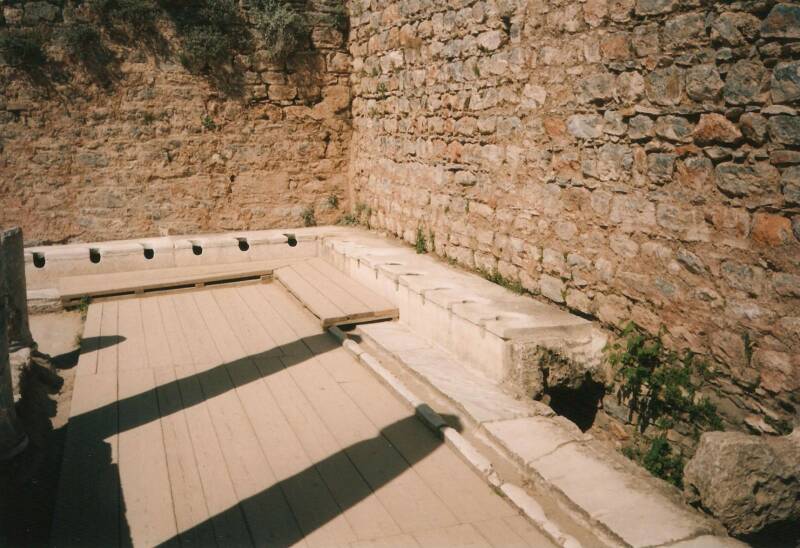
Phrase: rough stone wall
[162,150]
[627,159]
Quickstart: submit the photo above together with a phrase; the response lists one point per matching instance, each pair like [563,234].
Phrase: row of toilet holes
[149,252]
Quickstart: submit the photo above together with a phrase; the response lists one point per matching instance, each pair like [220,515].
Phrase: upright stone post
[12,438]
[13,288]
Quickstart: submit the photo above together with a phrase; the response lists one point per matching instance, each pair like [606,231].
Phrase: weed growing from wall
[420,244]
[495,277]
[661,389]
[309,217]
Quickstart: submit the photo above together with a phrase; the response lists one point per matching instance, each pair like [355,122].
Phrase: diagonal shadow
[376,460]
[68,360]
[96,516]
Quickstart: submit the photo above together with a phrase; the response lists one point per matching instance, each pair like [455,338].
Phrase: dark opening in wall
[38,260]
[149,253]
[94,255]
[291,240]
[579,405]
[243,245]
[197,249]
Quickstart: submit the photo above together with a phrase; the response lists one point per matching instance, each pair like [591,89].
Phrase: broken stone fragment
[715,128]
[747,482]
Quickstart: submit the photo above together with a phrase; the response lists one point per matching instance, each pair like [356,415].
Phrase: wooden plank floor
[228,417]
[331,295]
[72,288]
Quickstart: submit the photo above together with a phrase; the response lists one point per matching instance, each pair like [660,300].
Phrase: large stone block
[747,482]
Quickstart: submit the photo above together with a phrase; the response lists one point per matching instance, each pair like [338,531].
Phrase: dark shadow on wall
[91,508]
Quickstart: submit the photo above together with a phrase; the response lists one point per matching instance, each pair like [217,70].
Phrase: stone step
[608,490]
[481,399]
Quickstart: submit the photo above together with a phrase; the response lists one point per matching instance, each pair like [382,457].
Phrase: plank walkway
[73,288]
[228,417]
[331,295]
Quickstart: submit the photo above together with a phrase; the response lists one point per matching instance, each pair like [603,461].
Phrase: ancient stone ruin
[598,201]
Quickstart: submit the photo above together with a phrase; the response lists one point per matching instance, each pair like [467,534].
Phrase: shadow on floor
[68,360]
[95,513]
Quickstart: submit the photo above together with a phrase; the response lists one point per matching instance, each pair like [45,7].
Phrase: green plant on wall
[211,31]
[661,389]
[309,217]
[495,277]
[421,244]
[282,29]
[137,16]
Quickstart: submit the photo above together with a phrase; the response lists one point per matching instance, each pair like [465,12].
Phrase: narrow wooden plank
[312,298]
[299,320]
[178,347]
[266,510]
[329,286]
[75,287]
[132,350]
[223,505]
[143,468]
[499,534]
[191,512]
[258,299]
[107,355]
[202,348]
[372,300]
[251,334]
[90,341]
[363,510]
[463,535]
[158,352]
[87,509]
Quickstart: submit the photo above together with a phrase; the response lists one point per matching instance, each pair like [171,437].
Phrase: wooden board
[331,295]
[73,288]
[229,417]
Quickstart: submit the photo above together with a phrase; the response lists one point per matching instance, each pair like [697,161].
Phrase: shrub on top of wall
[22,48]
[210,31]
[138,16]
[282,29]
